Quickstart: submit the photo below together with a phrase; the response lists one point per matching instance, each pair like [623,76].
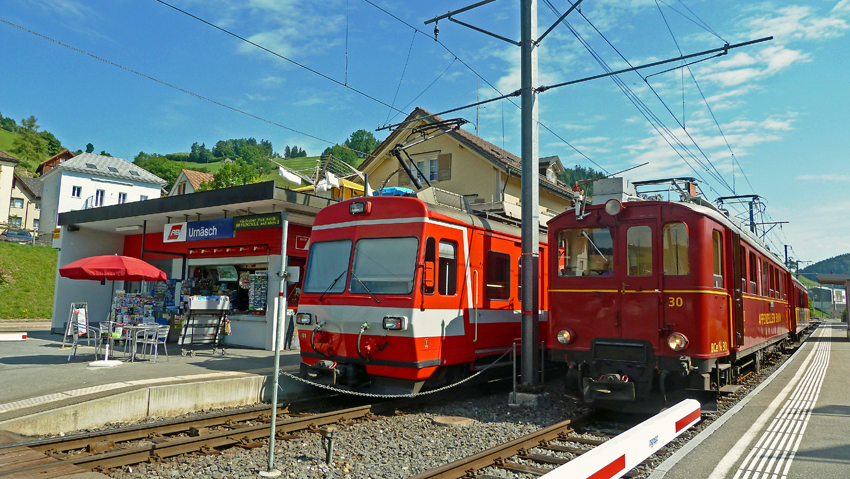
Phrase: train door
[640,291]
[496,318]
[738,285]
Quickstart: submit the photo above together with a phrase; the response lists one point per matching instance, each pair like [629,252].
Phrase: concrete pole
[281,315]
[530,196]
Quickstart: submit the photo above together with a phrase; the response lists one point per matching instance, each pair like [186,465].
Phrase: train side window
[754,274]
[675,242]
[585,252]
[717,249]
[772,280]
[639,239]
[764,280]
[430,257]
[447,274]
[498,276]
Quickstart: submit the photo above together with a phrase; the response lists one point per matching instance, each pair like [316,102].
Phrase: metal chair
[153,338]
[82,331]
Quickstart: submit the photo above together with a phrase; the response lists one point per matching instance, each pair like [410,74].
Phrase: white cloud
[798,23]
[824,177]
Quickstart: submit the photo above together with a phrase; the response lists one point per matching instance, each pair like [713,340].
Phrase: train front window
[639,240]
[327,266]
[585,252]
[675,237]
[384,266]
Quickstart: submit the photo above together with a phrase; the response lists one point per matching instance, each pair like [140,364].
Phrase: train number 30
[675,302]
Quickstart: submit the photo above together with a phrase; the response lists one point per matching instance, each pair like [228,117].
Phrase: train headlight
[564,336]
[677,341]
[395,323]
[304,318]
[613,207]
[360,208]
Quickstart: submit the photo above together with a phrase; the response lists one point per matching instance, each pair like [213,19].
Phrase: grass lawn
[26,280]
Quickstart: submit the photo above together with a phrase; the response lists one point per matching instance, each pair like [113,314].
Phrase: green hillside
[6,139]
[836,265]
[26,280]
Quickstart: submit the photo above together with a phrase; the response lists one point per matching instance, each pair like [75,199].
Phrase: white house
[7,178]
[91,181]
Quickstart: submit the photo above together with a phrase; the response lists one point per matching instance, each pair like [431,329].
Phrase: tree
[104,153]
[256,158]
[159,166]
[287,152]
[89,148]
[363,142]
[342,153]
[8,124]
[231,174]
[28,145]
[199,153]
[223,149]
[54,146]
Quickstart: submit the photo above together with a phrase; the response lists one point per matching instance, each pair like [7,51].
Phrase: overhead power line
[342,84]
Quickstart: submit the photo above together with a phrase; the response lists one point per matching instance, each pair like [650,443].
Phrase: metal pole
[281,313]
[530,195]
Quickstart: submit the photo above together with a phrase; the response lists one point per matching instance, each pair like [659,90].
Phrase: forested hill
[836,265]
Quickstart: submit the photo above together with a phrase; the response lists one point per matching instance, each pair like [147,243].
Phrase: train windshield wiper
[584,233]
[333,283]
[365,287]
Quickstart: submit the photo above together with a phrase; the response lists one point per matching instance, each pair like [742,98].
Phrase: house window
[122,198]
[112,169]
[428,168]
[15,221]
[35,224]
[98,197]
[38,206]
[143,197]
[17,203]
[181,188]
[76,191]
[434,166]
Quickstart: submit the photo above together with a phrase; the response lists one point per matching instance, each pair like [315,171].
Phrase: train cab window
[639,239]
[327,267]
[754,274]
[585,252]
[430,257]
[717,249]
[447,268]
[675,239]
[384,266]
[498,276]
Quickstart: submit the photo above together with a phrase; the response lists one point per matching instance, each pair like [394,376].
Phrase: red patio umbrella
[112,267]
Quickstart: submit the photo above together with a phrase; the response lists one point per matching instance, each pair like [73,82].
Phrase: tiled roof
[107,166]
[197,177]
[32,184]
[496,155]
[8,157]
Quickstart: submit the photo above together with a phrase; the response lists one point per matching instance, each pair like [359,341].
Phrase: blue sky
[782,106]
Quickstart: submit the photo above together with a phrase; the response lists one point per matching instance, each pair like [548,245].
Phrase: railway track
[532,455]
[101,451]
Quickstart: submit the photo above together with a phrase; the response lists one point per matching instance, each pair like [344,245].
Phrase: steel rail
[464,467]
[166,447]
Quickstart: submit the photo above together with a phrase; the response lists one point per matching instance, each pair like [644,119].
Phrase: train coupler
[609,387]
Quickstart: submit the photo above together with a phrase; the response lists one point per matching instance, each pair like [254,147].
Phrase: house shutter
[444,167]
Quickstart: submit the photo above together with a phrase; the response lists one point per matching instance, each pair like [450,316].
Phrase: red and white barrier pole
[624,452]
[13,336]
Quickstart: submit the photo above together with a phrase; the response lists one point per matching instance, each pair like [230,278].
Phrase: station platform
[794,425]
[43,393]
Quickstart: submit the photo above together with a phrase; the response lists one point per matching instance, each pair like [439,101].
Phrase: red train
[402,294]
[650,298]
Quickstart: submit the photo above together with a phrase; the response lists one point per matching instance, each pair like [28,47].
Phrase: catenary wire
[401,79]
[426,88]
[344,85]
[469,67]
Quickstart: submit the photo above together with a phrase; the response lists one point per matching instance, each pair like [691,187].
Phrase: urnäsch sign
[198,230]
